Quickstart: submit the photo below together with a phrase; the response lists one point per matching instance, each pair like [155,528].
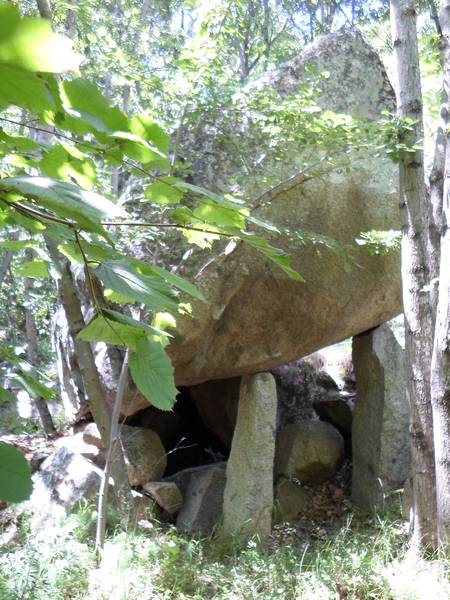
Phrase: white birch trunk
[414,206]
[440,374]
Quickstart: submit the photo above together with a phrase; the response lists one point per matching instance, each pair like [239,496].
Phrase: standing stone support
[248,498]
[380,434]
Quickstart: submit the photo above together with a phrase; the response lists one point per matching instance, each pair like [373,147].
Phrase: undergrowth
[362,561]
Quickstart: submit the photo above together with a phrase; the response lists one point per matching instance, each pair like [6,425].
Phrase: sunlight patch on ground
[412,578]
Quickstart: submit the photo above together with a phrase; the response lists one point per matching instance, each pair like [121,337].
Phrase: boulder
[166,494]
[63,480]
[248,498]
[256,318]
[91,435]
[380,436]
[291,500]
[299,386]
[336,409]
[310,451]
[202,489]
[297,389]
[144,454]
[77,444]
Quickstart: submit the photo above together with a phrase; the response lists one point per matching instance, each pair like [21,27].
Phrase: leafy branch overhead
[50,189]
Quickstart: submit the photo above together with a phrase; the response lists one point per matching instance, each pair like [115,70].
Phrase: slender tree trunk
[440,373]
[110,455]
[85,358]
[32,348]
[7,258]
[92,386]
[414,206]
[5,264]
[44,9]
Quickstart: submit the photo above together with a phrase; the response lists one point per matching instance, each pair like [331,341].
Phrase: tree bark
[440,368]
[110,454]
[414,206]
[92,386]
[32,348]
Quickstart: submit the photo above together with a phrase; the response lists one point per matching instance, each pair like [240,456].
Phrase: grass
[363,561]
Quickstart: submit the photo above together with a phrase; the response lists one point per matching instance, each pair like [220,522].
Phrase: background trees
[162,69]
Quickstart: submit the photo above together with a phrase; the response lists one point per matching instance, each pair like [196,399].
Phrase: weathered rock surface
[380,438]
[336,409]
[248,498]
[291,499]
[256,318]
[202,489]
[310,451]
[217,403]
[144,454]
[297,390]
[63,479]
[166,494]
[77,444]
[91,435]
[299,386]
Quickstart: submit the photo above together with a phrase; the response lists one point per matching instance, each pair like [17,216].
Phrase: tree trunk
[440,368]
[414,206]
[92,386]
[32,348]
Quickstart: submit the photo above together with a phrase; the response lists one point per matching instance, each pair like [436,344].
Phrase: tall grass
[362,561]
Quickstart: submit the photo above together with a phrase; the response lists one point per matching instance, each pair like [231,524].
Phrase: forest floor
[342,554]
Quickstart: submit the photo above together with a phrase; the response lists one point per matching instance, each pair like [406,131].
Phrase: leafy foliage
[15,481]
[51,189]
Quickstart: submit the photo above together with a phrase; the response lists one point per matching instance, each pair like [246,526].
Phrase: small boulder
[64,479]
[77,443]
[144,454]
[91,435]
[291,499]
[336,410]
[309,451]
[166,494]
[203,489]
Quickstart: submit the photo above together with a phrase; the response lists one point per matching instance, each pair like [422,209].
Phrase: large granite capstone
[255,317]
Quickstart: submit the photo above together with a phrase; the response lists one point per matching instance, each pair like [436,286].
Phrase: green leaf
[152,372]
[146,128]
[223,216]
[58,163]
[24,89]
[33,268]
[16,245]
[102,329]
[66,200]
[6,396]
[172,279]
[117,329]
[18,142]
[33,387]
[89,110]
[276,255]
[31,44]
[126,320]
[15,475]
[121,277]
[216,198]
[162,192]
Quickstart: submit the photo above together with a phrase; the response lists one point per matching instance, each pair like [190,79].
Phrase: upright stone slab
[248,498]
[381,453]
